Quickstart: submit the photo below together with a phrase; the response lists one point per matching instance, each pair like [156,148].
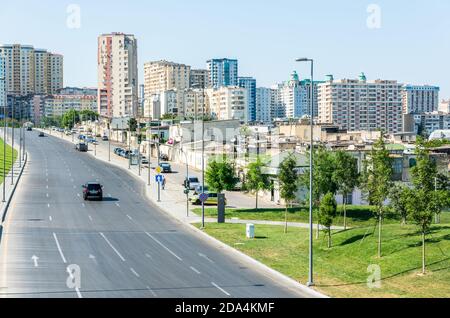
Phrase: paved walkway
[9,185]
[173,200]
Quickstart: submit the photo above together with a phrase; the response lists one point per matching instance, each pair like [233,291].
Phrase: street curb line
[273,274]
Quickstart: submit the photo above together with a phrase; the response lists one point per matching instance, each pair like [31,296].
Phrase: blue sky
[412,45]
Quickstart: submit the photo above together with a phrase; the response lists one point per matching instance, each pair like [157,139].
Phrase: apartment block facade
[228,103]
[117,75]
[444,106]
[164,76]
[2,82]
[358,104]
[267,105]
[32,71]
[249,83]
[222,72]
[199,78]
[420,99]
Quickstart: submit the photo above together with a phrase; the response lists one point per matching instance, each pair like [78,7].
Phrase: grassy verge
[357,216]
[342,270]
[9,162]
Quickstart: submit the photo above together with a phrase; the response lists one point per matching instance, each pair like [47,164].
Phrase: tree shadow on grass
[391,276]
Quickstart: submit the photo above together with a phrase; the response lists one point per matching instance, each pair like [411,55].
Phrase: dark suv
[92,190]
[82,147]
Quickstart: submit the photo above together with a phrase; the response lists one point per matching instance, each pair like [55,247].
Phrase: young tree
[421,207]
[256,181]
[220,176]
[133,124]
[327,212]
[323,182]
[288,179]
[376,181]
[399,196]
[346,177]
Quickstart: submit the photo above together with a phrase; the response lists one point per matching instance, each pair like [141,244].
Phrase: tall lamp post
[4,148]
[12,145]
[311,226]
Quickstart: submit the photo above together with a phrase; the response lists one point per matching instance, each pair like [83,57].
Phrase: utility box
[250,231]
[221,208]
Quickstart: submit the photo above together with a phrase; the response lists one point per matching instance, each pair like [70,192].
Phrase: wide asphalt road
[121,247]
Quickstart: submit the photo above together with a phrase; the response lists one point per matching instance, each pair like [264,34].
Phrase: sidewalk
[9,187]
[173,200]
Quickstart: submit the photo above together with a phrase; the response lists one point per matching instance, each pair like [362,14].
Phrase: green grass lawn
[357,216]
[9,162]
[342,270]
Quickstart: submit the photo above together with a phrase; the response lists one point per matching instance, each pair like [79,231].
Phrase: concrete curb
[262,268]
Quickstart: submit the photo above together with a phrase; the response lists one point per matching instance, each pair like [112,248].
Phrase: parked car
[105,138]
[144,160]
[199,190]
[191,183]
[213,199]
[82,147]
[29,129]
[117,150]
[166,167]
[41,134]
[92,190]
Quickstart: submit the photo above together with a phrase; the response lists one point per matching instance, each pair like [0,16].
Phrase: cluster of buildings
[33,78]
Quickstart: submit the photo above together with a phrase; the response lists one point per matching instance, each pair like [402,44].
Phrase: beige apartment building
[226,103]
[358,104]
[117,75]
[162,76]
[32,71]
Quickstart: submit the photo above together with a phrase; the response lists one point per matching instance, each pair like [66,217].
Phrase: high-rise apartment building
[32,71]
[2,82]
[295,97]
[267,105]
[420,99]
[162,76]
[222,72]
[358,104]
[249,83]
[444,106]
[117,75]
[199,78]
[227,103]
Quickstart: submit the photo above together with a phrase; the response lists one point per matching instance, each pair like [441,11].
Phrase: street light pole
[203,156]
[12,145]
[311,166]
[20,138]
[4,153]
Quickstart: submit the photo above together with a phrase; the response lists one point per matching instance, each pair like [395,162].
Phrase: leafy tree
[70,119]
[323,181]
[132,124]
[87,114]
[399,196]
[376,181]
[421,206]
[219,176]
[442,182]
[288,179]
[256,181]
[327,213]
[346,177]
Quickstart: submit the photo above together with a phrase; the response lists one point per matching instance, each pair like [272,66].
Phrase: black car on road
[92,190]
[41,134]
[82,147]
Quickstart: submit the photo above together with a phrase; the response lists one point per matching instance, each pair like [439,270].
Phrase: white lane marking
[206,257]
[109,195]
[47,186]
[118,205]
[50,218]
[83,205]
[78,195]
[90,218]
[134,272]
[59,248]
[129,217]
[150,290]
[195,270]
[48,195]
[48,205]
[76,288]
[220,288]
[114,249]
[165,247]
[148,256]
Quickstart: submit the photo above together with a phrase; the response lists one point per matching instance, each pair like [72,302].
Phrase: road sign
[159,178]
[158,170]
[203,197]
